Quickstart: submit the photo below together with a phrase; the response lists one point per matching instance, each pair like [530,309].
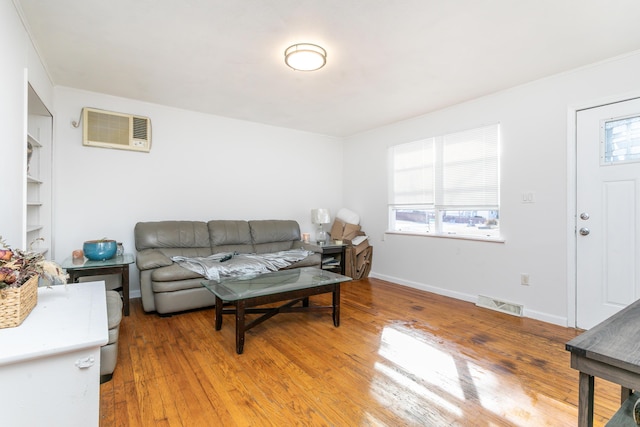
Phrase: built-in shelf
[33,140]
[37,203]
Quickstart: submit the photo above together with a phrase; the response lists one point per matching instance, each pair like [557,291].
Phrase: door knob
[584,231]
[584,216]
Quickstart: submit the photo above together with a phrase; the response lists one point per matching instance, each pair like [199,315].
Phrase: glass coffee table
[246,293]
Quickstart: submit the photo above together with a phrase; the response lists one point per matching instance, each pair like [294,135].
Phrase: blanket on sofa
[229,264]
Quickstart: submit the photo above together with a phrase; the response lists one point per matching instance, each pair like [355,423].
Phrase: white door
[608,210]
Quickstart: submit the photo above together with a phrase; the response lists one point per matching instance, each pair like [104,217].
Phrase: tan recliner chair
[109,351]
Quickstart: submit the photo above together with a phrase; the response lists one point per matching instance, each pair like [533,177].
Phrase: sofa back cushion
[185,238]
[230,236]
[274,235]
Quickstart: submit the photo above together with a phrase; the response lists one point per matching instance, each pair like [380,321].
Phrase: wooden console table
[611,351]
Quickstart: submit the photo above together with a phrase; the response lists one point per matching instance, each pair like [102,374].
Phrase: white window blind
[469,169]
[412,173]
[447,185]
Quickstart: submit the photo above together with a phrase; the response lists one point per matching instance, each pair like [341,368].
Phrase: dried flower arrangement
[18,266]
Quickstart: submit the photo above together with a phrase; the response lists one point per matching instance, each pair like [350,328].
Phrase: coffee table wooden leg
[336,305]
[218,314]
[240,306]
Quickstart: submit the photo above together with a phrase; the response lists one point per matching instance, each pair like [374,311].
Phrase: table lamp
[321,216]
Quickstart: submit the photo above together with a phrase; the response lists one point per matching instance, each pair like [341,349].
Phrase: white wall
[19,59]
[534,158]
[203,167]
[200,167]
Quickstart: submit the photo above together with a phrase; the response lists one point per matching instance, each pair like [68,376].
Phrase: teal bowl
[100,250]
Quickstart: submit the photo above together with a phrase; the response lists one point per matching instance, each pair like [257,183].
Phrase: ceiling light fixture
[305,57]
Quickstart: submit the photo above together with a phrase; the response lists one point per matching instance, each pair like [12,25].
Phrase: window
[621,140]
[446,185]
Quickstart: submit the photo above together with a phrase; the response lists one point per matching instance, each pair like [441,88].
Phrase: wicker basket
[17,303]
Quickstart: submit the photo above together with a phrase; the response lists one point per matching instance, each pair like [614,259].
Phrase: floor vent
[502,306]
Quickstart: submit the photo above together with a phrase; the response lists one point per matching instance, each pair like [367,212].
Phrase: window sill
[450,236]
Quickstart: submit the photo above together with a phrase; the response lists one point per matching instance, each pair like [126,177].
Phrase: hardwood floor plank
[400,357]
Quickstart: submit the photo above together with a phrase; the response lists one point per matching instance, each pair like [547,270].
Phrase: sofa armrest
[152,258]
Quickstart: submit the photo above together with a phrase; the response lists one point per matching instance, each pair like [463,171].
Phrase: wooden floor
[400,357]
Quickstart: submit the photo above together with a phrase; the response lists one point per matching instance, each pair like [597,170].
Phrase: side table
[332,255]
[116,265]
[611,351]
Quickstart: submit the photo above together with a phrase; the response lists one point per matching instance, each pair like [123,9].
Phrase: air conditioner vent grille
[140,128]
[502,306]
[107,128]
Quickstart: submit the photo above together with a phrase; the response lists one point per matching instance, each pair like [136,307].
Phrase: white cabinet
[50,364]
[38,175]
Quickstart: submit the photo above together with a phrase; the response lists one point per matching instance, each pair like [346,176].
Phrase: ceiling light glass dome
[305,57]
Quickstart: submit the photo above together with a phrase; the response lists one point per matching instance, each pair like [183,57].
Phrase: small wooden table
[116,265]
[332,255]
[611,351]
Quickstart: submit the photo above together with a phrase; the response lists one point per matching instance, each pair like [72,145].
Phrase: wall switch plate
[529,197]
[524,279]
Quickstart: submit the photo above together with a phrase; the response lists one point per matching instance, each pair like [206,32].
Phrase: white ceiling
[388,60]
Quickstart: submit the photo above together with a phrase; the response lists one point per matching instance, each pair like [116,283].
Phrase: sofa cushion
[152,258]
[274,235]
[178,285]
[114,315]
[173,272]
[230,236]
[267,231]
[171,234]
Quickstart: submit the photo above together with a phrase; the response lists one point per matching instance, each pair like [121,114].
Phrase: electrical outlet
[524,279]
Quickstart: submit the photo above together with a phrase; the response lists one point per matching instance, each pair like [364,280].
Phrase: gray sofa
[166,287]
[109,351]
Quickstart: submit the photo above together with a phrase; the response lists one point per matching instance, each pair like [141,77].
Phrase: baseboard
[532,314]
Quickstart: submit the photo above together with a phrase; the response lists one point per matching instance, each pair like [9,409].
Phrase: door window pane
[621,140]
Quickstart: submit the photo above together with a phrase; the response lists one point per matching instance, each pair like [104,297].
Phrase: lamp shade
[305,57]
[320,216]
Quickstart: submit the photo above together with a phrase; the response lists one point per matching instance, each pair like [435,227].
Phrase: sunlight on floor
[408,383]
[421,382]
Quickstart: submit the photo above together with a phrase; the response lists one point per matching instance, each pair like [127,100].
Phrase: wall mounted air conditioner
[115,130]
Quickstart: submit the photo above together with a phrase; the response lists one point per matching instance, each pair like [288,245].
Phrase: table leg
[123,270]
[625,393]
[240,306]
[585,400]
[125,288]
[218,314]
[336,305]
